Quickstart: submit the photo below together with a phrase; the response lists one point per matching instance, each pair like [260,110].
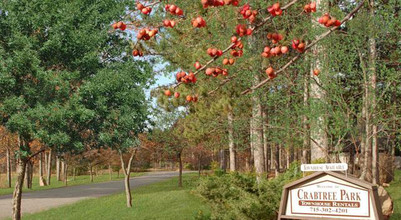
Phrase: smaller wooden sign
[324,167]
[330,195]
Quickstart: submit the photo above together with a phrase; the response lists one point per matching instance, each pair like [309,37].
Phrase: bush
[238,196]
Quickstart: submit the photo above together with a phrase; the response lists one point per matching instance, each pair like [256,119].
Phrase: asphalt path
[46,199]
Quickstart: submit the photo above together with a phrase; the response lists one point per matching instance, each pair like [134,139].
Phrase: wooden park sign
[330,195]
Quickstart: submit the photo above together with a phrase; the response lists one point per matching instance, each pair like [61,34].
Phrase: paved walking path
[45,199]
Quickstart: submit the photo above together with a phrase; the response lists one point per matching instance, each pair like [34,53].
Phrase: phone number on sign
[328,210]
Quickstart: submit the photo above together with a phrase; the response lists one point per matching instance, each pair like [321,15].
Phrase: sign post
[329,195]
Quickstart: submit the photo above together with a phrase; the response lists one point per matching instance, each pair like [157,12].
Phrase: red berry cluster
[197,65]
[275,9]
[185,78]
[237,44]
[169,23]
[143,9]
[275,37]
[232,2]
[298,45]
[227,61]
[216,71]
[311,7]
[270,73]
[248,13]
[199,22]
[328,21]
[275,51]
[167,92]
[212,3]
[214,52]
[146,34]
[119,25]
[242,30]
[236,53]
[174,10]
[191,98]
[137,52]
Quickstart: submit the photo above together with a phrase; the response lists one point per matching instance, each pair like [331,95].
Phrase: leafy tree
[47,49]
[116,98]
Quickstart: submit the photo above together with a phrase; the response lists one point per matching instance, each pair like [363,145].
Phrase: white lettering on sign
[324,167]
[328,198]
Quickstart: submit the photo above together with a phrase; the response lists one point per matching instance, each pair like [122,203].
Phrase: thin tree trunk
[367,163]
[372,74]
[128,191]
[200,165]
[62,172]
[272,157]
[288,157]
[91,173]
[73,173]
[28,175]
[58,168]
[257,133]
[306,142]
[17,195]
[280,157]
[266,149]
[8,168]
[49,167]
[277,160]
[222,157]
[230,118]
[65,173]
[41,180]
[110,172]
[180,170]
[127,173]
[319,147]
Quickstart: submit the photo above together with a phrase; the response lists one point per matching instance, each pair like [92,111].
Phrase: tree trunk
[222,157]
[266,149]
[58,168]
[367,156]
[28,175]
[128,190]
[306,142]
[180,170]
[91,173]
[200,165]
[73,173]
[110,172]
[49,167]
[62,172]
[41,180]
[230,118]
[8,168]
[257,133]
[372,75]
[127,173]
[277,160]
[65,172]
[272,157]
[288,157]
[17,195]
[319,147]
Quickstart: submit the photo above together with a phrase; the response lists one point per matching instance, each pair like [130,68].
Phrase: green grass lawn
[163,200]
[395,192]
[79,180]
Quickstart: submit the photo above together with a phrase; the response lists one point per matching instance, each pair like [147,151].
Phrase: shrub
[238,196]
